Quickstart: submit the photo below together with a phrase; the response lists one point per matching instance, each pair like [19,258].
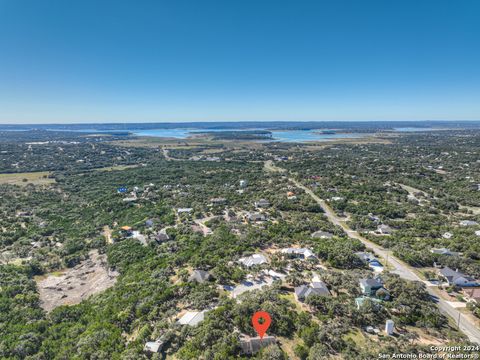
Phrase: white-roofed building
[301,253]
[192,318]
[253,260]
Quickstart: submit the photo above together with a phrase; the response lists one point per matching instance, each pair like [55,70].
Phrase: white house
[192,318]
[322,235]
[153,346]
[253,260]
[184,210]
[468,223]
[301,253]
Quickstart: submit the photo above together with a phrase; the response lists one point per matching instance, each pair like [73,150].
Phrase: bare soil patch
[73,285]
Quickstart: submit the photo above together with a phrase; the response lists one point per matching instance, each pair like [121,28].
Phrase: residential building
[253,260]
[153,346]
[384,229]
[301,253]
[371,260]
[126,231]
[468,223]
[218,201]
[370,286]
[199,276]
[161,236]
[252,345]
[444,251]
[254,217]
[447,235]
[315,288]
[184,210]
[322,235]
[262,203]
[192,318]
[457,278]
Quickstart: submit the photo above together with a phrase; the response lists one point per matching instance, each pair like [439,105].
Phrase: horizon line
[229,121]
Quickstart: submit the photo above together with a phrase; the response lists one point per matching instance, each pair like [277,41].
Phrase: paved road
[403,270]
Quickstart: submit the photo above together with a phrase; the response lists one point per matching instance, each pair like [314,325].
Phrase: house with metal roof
[153,346]
[322,235]
[315,288]
[253,260]
[192,318]
[252,345]
[262,203]
[200,276]
[453,277]
[468,223]
[370,286]
[301,253]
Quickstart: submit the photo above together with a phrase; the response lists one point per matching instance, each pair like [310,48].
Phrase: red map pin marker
[261,328]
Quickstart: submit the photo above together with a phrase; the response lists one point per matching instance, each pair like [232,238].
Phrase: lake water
[299,136]
[282,136]
[412,129]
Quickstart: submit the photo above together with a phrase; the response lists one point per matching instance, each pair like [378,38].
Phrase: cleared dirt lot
[73,285]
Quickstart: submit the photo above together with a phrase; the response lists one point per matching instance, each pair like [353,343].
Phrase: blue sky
[138,61]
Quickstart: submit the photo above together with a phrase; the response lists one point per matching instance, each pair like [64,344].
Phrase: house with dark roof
[149,223]
[254,217]
[456,278]
[262,203]
[370,286]
[370,260]
[384,229]
[161,236]
[200,276]
[252,345]
[315,288]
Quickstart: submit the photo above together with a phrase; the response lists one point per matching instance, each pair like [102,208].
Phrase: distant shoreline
[248,125]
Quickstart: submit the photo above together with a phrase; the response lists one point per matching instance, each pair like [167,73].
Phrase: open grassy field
[117,168]
[22,179]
